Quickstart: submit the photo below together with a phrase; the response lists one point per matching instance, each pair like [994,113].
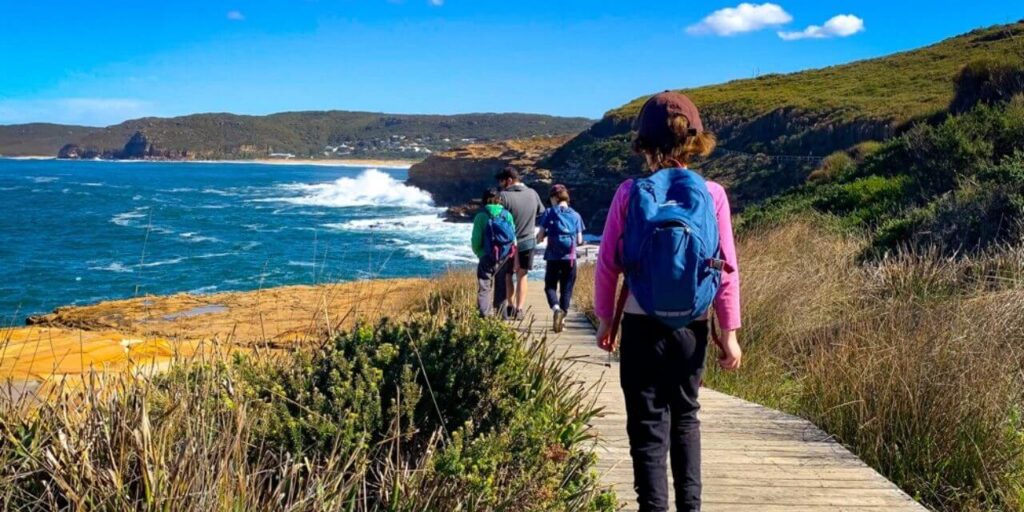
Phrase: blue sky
[102,62]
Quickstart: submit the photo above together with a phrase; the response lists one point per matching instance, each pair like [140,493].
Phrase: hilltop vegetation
[810,113]
[956,186]
[898,88]
[38,139]
[302,134]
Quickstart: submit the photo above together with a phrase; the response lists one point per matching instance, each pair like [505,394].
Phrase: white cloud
[745,17]
[437,3]
[843,25]
[86,111]
[236,15]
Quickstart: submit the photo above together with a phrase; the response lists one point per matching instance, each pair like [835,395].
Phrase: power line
[799,158]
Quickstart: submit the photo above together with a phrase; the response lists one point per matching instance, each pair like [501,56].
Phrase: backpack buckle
[720,265]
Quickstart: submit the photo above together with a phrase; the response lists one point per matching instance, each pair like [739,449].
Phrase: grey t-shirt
[526,206]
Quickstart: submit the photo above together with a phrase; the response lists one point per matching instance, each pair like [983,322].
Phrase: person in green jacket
[488,265]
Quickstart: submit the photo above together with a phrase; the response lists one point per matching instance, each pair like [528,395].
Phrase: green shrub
[865,200]
[865,149]
[987,82]
[833,166]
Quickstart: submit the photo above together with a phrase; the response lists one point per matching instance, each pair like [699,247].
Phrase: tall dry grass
[914,362]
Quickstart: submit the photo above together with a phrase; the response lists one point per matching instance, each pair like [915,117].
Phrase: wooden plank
[754,458]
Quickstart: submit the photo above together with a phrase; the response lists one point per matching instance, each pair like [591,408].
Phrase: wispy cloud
[86,111]
[236,15]
[437,3]
[843,25]
[743,18]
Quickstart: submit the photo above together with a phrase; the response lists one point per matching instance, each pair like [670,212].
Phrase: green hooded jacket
[480,222]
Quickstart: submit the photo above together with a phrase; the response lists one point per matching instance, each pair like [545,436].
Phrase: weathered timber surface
[754,458]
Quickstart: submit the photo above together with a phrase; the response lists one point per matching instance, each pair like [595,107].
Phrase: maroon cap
[558,188]
[652,122]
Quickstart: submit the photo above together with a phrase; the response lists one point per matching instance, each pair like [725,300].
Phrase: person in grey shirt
[525,205]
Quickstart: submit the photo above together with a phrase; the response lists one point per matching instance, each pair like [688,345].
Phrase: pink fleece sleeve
[727,302]
[606,275]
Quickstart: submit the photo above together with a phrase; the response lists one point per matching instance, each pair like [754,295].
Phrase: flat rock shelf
[754,458]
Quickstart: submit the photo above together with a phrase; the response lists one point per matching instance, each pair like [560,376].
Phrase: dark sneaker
[556,322]
[560,321]
[508,312]
[519,315]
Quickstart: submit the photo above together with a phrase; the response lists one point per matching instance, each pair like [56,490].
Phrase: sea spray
[371,188]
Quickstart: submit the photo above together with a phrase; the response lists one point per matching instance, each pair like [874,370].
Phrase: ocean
[79,232]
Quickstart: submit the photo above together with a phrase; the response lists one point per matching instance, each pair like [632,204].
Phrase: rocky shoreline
[153,331]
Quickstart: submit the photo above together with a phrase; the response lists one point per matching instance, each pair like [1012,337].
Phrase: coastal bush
[426,412]
[954,185]
[988,82]
[864,201]
[831,167]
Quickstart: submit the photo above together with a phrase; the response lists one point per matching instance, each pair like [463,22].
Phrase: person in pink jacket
[661,369]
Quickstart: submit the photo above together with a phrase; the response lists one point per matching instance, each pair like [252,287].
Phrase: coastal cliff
[457,178]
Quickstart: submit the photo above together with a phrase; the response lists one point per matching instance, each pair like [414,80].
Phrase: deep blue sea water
[75,232]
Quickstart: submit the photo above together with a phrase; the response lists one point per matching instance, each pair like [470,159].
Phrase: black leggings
[559,273]
[661,371]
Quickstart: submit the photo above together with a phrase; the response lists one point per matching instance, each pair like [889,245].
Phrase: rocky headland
[456,179]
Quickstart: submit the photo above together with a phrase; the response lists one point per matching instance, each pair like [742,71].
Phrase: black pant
[559,274]
[661,372]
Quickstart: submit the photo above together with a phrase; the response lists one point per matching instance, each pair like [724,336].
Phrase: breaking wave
[371,188]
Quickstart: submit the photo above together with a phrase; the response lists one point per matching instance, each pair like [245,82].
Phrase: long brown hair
[676,146]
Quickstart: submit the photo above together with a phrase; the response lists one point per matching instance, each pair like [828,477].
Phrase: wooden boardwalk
[754,458]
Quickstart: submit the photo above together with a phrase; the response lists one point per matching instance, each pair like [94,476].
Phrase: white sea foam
[197,238]
[127,219]
[301,263]
[161,263]
[406,224]
[117,267]
[212,255]
[371,188]
[43,179]
[423,236]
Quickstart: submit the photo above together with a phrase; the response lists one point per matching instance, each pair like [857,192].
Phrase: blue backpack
[561,230]
[499,237]
[670,246]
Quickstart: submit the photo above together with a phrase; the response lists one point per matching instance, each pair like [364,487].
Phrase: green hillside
[309,134]
[897,88]
[303,134]
[773,129]
[38,139]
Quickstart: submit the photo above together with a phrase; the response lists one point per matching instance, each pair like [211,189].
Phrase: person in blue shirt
[563,229]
